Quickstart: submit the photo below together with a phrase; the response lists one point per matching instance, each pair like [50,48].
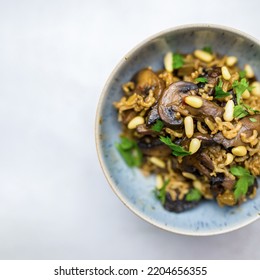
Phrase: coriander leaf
[251,109]
[177,61]
[126,143]
[240,112]
[130,152]
[219,92]
[245,180]
[161,193]
[158,126]
[240,87]
[193,195]
[207,49]
[201,80]
[241,187]
[126,155]
[176,149]
[252,119]
[239,171]
[242,74]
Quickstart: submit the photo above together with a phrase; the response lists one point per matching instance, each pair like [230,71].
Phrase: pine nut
[204,56]
[189,126]
[239,151]
[229,159]
[158,162]
[135,122]
[256,89]
[229,111]
[197,185]
[189,175]
[246,94]
[159,181]
[225,73]
[231,61]
[249,71]
[168,62]
[194,101]
[194,145]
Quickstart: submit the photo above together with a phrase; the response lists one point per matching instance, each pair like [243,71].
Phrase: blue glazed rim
[98,139]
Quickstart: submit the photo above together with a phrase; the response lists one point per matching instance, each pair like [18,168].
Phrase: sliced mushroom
[178,206]
[153,147]
[143,129]
[206,140]
[153,115]
[199,163]
[171,102]
[247,128]
[147,80]
[208,109]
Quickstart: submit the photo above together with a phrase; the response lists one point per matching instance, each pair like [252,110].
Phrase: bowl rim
[98,116]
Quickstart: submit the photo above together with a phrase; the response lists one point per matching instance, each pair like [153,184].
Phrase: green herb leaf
[241,187]
[126,143]
[251,109]
[252,119]
[176,149]
[201,80]
[239,171]
[207,49]
[240,112]
[177,61]
[240,87]
[245,180]
[161,193]
[158,126]
[130,152]
[242,74]
[193,195]
[219,92]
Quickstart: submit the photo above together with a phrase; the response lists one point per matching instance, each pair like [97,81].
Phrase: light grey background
[55,57]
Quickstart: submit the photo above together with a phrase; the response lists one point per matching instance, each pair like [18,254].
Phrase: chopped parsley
[219,92]
[158,126]
[177,61]
[193,195]
[176,149]
[242,110]
[201,80]
[161,193]
[245,180]
[252,119]
[251,109]
[130,152]
[242,74]
[240,87]
[207,49]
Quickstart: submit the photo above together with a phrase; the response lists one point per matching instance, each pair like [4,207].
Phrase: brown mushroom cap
[247,128]
[147,80]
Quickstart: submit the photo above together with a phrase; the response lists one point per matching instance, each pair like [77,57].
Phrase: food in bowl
[195,125]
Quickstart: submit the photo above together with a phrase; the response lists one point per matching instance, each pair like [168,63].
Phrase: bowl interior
[135,190]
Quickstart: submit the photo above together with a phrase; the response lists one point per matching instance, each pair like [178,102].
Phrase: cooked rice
[179,185]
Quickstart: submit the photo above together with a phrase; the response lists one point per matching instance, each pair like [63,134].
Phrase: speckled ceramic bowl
[135,190]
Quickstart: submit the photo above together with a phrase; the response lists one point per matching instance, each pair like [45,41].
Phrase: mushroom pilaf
[195,125]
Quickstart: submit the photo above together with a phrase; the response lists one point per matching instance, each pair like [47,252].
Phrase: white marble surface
[54,59]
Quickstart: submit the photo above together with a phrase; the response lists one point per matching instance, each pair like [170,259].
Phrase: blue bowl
[135,190]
